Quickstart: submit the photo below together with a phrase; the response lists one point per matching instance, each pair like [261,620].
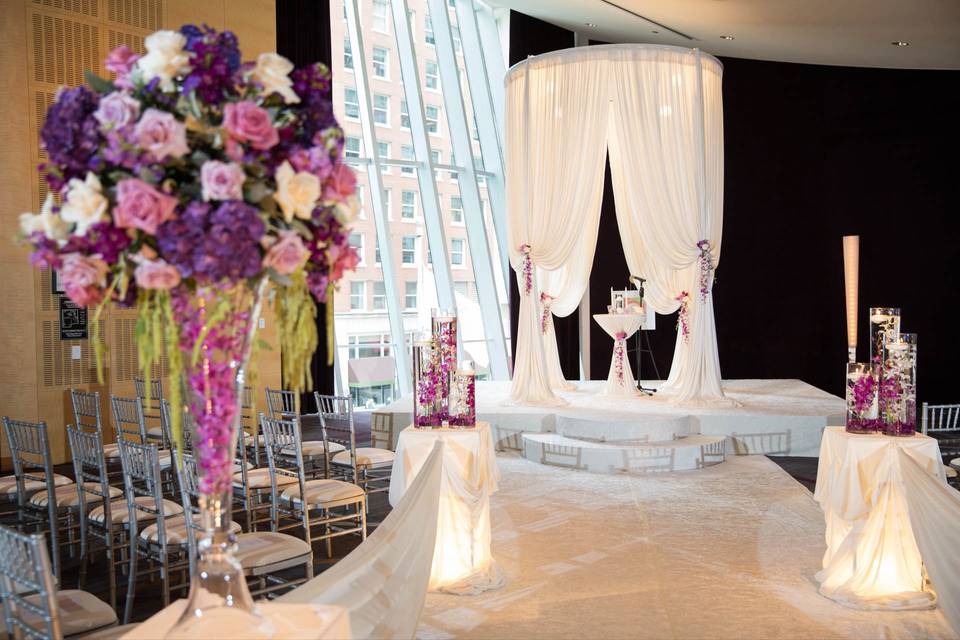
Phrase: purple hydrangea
[212,244]
[215,62]
[312,84]
[71,136]
[102,238]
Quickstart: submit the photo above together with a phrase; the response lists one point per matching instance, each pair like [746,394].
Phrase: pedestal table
[620,326]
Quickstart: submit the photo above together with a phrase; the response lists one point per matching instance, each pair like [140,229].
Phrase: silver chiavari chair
[33,608]
[252,490]
[285,405]
[131,425]
[942,421]
[151,408]
[368,467]
[87,418]
[93,491]
[252,438]
[381,430]
[264,555]
[147,507]
[33,473]
[337,507]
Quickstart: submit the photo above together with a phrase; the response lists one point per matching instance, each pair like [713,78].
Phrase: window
[404,115]
[347,54]
[379,296]
[381,109]
[376,254]
[356,241]
[476,131]
[406,153]
[408,205]
[428,30]
[387,196]
[455,32]
[454,176]
[408,253]
[380,15]
[410,294]
[358,295]
[351,147]
[456,210]
[460,286]
[456,252]
[433,119]
[431,75]
[435,157]
[351,103]
[368,346]
[381,62]
[478,167]
[452,3]
[383,150]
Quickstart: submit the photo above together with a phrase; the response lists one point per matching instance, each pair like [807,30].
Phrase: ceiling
[834,32]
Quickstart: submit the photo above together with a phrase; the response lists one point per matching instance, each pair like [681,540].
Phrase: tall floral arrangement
[186,182]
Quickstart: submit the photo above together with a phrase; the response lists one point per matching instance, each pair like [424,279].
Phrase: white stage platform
[775,417]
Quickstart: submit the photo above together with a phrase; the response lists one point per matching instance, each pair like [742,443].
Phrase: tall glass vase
[217,327]
[443,325]
[899,394]
[426,404]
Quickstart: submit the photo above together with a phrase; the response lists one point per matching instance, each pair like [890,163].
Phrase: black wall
[813,153]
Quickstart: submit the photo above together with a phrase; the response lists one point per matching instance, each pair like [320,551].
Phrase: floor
[726,552]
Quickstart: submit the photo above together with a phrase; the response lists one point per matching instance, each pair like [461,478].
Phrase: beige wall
[41,48]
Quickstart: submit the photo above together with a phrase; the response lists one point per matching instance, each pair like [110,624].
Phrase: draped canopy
[659,112]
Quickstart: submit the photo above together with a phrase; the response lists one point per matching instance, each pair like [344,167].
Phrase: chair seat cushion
[324,493]
[79,612]
[248,440]
[260,479]
[236,466]
[314,448]
[111,451]
[176,530]
[155,433]
[264,548]
[121,515]
[367,457]
[67,496]
[950,470]
[8,484]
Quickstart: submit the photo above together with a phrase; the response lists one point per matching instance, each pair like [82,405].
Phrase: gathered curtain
[659,110]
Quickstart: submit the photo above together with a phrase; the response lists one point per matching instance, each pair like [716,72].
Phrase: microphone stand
[638,283]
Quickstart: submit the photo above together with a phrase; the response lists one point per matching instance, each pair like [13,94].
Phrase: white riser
[684,454]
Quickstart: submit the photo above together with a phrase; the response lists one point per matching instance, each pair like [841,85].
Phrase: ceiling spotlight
[900,43]
[726,37]
[589,24]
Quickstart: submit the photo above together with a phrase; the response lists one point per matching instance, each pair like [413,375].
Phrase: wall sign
[73,320]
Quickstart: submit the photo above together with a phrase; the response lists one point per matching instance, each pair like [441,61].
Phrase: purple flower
[215,63]
[71,136]
[117,109]
[312,84]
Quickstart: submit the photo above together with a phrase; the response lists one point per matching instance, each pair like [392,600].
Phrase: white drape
[383,582]
[660,111]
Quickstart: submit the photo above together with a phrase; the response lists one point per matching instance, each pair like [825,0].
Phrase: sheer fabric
[660,111]
[383,582]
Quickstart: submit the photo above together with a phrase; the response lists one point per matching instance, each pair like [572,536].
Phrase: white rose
[85,204]
[346,210]
[273,72]
[46,222]
[165,58]
[297,193]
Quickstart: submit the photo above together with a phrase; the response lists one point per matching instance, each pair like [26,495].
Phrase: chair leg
[362,508]
[54,536]
[112,566]
[131,578]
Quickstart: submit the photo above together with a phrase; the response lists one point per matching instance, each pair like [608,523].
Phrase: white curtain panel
[383,582]
[660,111]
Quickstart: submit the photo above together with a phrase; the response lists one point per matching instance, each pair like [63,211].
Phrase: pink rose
[156,274]
[341,258]
[287,254]
[120,61]
[116,110]
[83,278]
[246,122]
[161,135]
[140,206]
[315,160]
[340,185]
[222,180]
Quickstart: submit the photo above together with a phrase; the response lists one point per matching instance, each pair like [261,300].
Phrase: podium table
[620,326]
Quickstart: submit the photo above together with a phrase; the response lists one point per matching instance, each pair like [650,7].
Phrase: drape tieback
[683,317]
[706,268]
[546,300]
[527,269]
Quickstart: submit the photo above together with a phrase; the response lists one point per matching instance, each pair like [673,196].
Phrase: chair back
[283,404]
[128,419]
[186,440]
[381,430]
[151,402]
[89,468]
[141,478]
[86,410]
[25,570]
[940,417]
[30,451]
[284,452]
[336,421]
[189,483]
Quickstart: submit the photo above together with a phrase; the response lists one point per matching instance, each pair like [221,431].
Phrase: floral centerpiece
[186,186]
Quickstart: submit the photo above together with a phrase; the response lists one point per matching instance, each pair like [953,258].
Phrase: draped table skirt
[462,560]
[872,560]
[620,326]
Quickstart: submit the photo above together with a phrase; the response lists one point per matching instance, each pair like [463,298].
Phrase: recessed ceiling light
[726,37]
[900,43]
[589,24]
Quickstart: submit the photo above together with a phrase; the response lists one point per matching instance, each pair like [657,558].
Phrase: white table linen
[462,561]
[872,560]
[288,621]
[620,380]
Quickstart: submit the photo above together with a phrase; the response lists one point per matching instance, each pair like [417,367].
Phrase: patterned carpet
[726,552]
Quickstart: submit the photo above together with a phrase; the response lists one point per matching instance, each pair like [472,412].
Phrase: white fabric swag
[659,111]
